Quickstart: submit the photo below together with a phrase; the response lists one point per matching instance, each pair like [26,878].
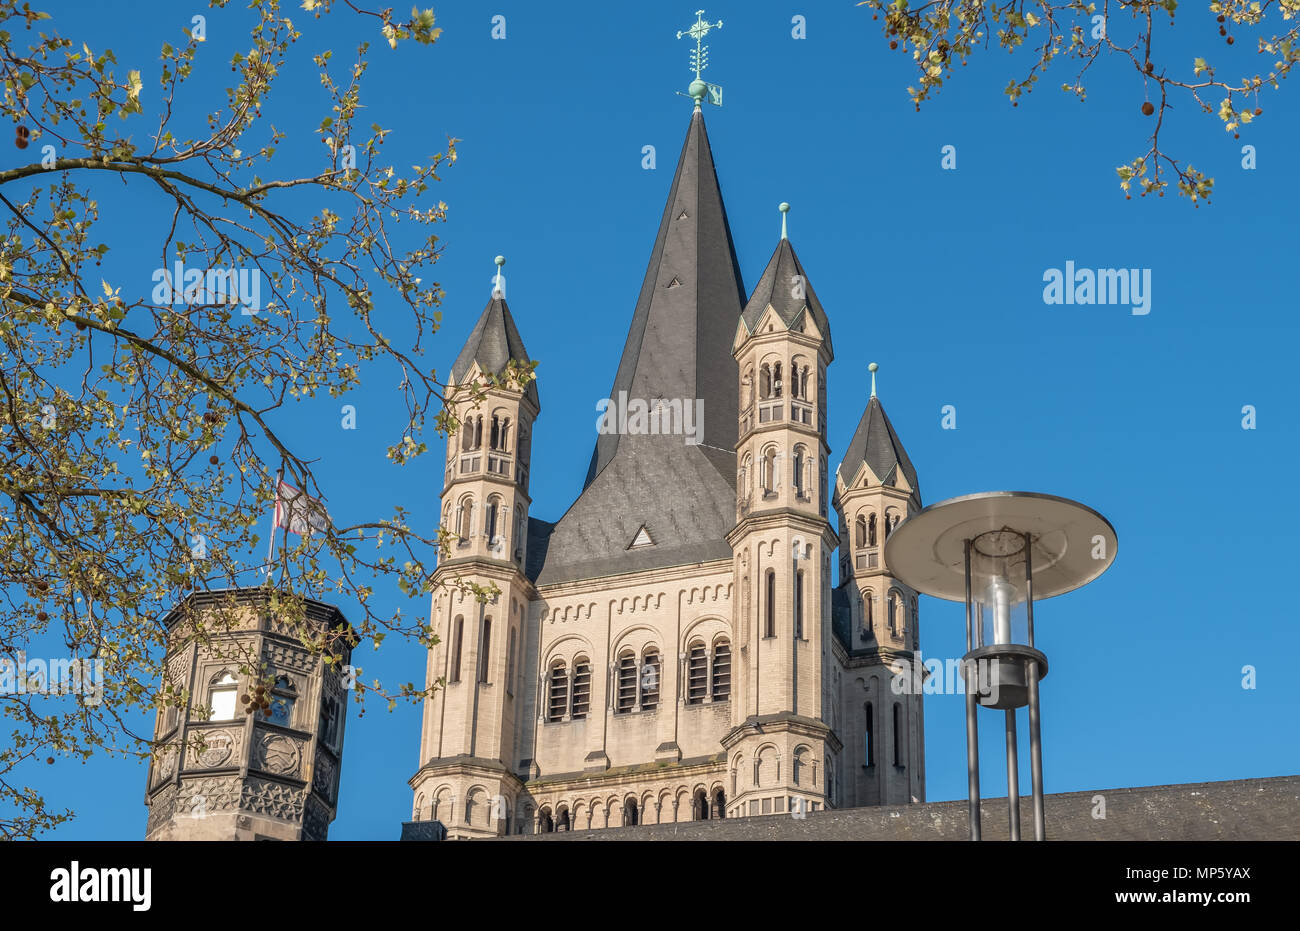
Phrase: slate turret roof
[778,287]
[876,444]
[493,343]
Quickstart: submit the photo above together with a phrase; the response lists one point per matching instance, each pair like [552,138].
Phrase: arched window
[722,670]
[476,804]
[898,737]
[860,530]
[627,678]
[749,387]
[891,521]
[697,678]
[803,387]
[465,518]
[869,614]
[492,520]
[700,806]
[563,823]
[458,632]
[797,767]
[821,489]
[746,474]
[630,813]
[800,463]
[510,661]
[545,825]
[776,380]
[558,698]
[485,652]
[328,733]
[765,382]
[769,470]
[798,605]
[495,440]
[478,432]
[581,688]
[770,616]
[719,804]
[283,696]
[871,530]
[870,736]
[221,696]
[794,379]
[650,665]
[891,616]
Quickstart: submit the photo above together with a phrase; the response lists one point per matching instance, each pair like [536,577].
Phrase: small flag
[298,512]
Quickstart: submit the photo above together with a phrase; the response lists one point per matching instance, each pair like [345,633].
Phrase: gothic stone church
[671,648]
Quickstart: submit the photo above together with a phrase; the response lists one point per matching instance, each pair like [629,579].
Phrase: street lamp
[1000,552]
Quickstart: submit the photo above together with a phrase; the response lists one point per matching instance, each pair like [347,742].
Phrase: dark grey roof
[1242,809]
[423,830]
[842,615]
[779,288]
[876,443]
[678,492]
[539,541]
[679,343]
[678,348]
[493,343]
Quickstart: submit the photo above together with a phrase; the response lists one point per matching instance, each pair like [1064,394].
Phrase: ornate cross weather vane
[700,88]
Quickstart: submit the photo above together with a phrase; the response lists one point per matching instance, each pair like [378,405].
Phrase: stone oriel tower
[466,778]
[780,746]
[223,773]
[876,488]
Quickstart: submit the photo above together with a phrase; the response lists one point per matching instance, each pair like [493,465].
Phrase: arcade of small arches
[491,522]
[802,478]
[483,812]
[897,613]
[632,809]
[465,448]
[759,780]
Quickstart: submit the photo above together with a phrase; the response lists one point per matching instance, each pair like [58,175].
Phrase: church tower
[876,488]
[780,749]
[466,779]
[266,768]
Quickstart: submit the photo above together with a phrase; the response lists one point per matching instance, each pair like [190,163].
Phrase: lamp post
[1000,552]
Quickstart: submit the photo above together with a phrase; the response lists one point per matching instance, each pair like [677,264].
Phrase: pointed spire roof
[876,444]
[786,288]
[678,349]
[493,343]
[679,343]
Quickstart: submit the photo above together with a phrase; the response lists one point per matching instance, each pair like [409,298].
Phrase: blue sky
[936,275]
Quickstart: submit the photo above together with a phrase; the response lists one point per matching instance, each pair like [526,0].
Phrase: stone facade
[221,773]
[672,649]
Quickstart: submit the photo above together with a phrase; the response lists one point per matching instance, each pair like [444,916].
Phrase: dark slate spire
[493,343]
[679,344]
[785,286]
[679,349]
[876,444]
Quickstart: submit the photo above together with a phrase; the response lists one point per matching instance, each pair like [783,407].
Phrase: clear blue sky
[936,275]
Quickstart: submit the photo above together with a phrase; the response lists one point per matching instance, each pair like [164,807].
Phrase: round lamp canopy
[1070,543]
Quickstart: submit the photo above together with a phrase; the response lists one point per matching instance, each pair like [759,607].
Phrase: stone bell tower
[255,750]
[779,747]
[466,778]
[876,489]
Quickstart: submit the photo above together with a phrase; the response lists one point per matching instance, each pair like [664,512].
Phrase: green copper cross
[700,54]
